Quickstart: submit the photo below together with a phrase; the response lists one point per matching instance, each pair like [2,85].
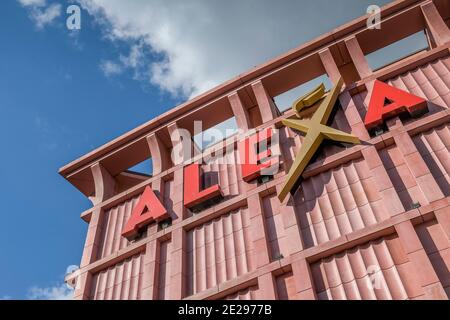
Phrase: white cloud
[110,68]
[46,16]
[58,292]
[193,45]
[37,3]
[41,13]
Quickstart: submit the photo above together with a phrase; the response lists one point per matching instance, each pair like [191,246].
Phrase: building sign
[147,210]
[256,156]
[315,130]
[387,101]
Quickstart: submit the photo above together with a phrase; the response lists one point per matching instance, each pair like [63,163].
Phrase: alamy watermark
[374,19]
[222,151]
[73,21]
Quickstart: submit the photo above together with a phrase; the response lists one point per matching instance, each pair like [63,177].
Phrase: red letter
[398,101]
[193,195]
[148,208]
[251,156]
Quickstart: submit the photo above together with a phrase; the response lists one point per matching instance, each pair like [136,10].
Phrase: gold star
[316,131]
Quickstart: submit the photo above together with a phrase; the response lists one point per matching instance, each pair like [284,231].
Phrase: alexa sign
[385,102]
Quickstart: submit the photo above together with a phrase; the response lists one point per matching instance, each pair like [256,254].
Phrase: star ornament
[315,130]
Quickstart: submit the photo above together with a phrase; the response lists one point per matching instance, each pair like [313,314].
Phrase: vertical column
[259,234]
[83,282]
[303,280]
[178,276]
[267,107]
[261,249]
[266,286]
[83,285]
[424,270]
[104,189]
[436,26]
[291,224]
[151,265]
[177,195]
[414,161]
[348,105]
[358,58]
[159,153]
[384,184]
[330,65]
[183,146]
[104,184]
[443,217]
[239,111]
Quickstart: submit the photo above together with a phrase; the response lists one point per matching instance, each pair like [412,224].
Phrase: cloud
[57,292]
[37,3]
[41,13]
[191,46]
[46,16]
[110,68]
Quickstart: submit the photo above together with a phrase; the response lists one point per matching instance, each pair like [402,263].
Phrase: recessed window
[284,101]
[216,133]
[145,167]
[398,50]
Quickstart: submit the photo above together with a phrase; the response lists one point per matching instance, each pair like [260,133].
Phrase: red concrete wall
[121,281]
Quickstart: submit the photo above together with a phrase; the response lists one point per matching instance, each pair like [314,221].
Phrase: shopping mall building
[342,194]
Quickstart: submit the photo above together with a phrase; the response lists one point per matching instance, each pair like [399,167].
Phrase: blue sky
[63,93]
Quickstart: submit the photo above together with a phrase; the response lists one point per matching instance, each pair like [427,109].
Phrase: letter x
[316,131]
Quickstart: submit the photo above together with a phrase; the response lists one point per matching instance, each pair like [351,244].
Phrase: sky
[65,92]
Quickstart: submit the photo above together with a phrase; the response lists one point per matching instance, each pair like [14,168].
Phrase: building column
[358,58]
[160,154]
[291,225]
[90,251]
[266,287]
[436,26]
[261,250]
[151,266]
[178,276]
[177,195]
[104,189]
[330,65]
[443,218]
[105,184]
[259,233]
[391,200]
[184,148]
[303,280]
[239,111]
[414,161]
[348,105]
[424,270]
[267,107]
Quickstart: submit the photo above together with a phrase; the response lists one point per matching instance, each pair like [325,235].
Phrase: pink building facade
[369,221]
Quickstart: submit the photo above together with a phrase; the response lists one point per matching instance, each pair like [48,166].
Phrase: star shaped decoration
[315,130]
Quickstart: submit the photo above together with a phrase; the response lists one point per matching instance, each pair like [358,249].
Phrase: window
[284,101]
[145,167]
[398,50]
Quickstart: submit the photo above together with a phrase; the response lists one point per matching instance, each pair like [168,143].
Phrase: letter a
[387,101]
[148,209]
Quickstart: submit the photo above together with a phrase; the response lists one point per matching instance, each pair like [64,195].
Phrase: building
[364,221]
